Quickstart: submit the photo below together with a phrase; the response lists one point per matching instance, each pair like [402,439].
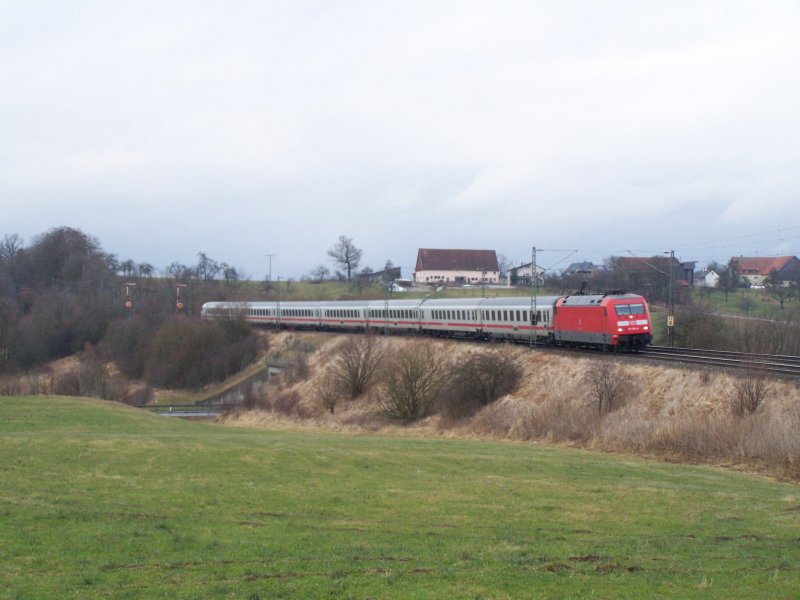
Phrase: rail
[786,366]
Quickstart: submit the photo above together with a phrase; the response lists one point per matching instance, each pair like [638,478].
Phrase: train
[613,321]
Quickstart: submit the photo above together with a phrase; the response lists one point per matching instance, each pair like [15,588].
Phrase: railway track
[786,366]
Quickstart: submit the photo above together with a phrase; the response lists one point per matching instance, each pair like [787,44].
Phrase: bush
[608,386]
[189,353]
[126,342]
[479,379]
[748,393]
[413,380]
[328,391]
[356,363]
[286,403]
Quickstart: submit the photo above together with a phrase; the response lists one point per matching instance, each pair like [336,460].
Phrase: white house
[708,279]
[456,267]
[521,275]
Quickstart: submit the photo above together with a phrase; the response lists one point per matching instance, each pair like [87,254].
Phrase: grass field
[103,501]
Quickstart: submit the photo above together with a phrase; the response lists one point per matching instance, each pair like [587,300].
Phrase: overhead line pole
[269,273]
[534,299]
[533,340]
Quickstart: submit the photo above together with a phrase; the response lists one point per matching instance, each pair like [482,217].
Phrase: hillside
[669,412]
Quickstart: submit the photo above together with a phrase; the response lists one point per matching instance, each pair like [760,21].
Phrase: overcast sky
[240,129]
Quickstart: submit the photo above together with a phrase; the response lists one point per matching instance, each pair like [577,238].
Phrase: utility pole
[278,308]
[535,288]
[269,273]
[534,298]
[671,315]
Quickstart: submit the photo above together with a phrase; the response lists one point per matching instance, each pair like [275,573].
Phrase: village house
[707,279]
[456,267]
[755,270]
[521,275]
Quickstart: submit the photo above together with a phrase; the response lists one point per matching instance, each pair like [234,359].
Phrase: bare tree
[9,247]
[329,390]
[207,268]
[345,253]
[777,288]
[481,378]
[127,267]
[356,363]
[414,378]
[504,264]
[608,386]
[749,393]
[319,273]
[180,272]
[146,270]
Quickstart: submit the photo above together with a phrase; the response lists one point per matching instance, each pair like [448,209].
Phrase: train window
[623,309]
[637,309]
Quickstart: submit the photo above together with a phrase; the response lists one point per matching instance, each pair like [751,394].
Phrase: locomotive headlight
[646,328]
[619,328]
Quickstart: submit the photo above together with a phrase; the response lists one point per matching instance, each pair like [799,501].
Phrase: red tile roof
[762,265]
[432,259]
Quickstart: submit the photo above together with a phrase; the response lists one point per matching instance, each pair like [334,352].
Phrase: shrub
[285,403]
[328,391]
[356,363]
[190,353]
[480,378]
[608,386]
[413,380]
[748,393]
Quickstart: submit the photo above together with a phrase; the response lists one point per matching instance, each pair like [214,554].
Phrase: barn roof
[762,265]
[434,259]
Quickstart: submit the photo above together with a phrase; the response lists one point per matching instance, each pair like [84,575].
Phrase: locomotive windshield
[629,309]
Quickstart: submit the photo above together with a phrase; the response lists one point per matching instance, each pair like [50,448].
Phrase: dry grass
[671,413]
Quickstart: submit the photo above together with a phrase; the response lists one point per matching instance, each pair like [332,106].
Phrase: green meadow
[102,501]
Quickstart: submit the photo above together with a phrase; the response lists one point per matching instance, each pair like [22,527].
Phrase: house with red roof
[755,270]
[456,267]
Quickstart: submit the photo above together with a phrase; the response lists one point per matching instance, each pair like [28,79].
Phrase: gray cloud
[247,128]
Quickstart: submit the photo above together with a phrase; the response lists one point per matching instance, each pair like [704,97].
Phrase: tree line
[62,294]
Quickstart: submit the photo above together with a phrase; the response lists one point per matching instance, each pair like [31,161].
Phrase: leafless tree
[145,269]
[777,288]
[345,253]
[414,378]
[356,363]
[319,273]
[504,264]
[329,391]
[699,327]
[127,267]
[749,393]
[608,386]
[9,247]
[480,378]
